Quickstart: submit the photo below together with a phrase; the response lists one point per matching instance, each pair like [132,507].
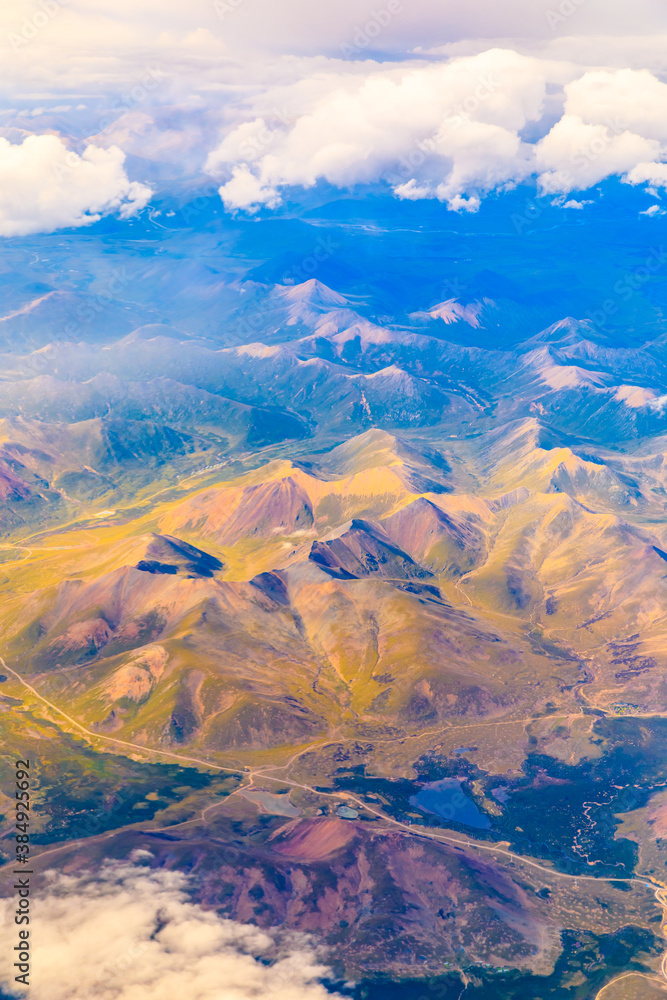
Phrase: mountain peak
[165,554]
[314,292]
[452,311]
[563,376]
[565,332]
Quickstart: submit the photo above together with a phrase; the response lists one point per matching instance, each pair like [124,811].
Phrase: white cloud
[654,174]
[127,932]
[614,123]
[246,190]
[351,120]
[624,100]
[451,130]
[576,155]
[653,210]
[297,25]
[78,48]
[442,130]
[68,38]
[45,186]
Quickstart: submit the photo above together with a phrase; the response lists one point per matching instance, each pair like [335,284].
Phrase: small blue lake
[447,800]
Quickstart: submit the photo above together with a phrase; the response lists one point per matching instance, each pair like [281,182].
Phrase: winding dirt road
[249,774]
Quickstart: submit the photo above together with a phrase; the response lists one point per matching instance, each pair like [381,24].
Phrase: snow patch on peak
[311,302]
[314,292]
[563,376]
[392,372]
[635,396]
[260,350]
[566,332]
[453,311]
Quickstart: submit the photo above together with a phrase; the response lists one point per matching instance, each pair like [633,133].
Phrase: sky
[104,103]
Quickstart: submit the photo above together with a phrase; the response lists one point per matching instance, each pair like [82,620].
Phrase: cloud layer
[453,130]
[46,186]
[614,123]
[95,40]
[441,130]
[265,97]
[129,933]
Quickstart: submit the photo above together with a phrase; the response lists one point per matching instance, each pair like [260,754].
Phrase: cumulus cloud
[424,122]
[130,933]
[614,123]
[45,186]
[653,210]
[98,40]
[444,130]
[452,130]
[654,174]
[625,100]
[576,155]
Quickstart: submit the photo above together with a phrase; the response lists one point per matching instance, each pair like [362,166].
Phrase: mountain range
[345,543]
